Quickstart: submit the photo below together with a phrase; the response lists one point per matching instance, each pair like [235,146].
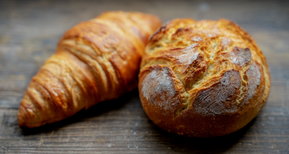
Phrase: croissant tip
[24,117]
[20,116]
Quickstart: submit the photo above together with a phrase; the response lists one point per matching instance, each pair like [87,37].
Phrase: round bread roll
[203,78]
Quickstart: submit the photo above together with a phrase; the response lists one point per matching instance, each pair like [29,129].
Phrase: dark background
[29,31]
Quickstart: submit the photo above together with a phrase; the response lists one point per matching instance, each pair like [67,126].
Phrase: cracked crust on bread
[203,78]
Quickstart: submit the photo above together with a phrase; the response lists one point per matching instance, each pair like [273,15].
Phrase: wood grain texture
[29,31]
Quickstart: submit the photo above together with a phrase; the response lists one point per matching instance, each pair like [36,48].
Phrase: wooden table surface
[29,31]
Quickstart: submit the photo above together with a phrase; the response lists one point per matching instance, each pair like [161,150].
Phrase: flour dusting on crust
[197,38]
[216,99]
[240,56]
[189,55]
[226,41]
[254,77]
[158,89]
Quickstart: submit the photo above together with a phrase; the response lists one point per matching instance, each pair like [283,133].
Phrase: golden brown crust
[202,78]
[95,60]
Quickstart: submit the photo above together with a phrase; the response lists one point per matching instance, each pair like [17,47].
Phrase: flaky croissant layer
[203,78]
[95,60]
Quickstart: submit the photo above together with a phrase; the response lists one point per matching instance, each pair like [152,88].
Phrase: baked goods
[202,78]
[96,60]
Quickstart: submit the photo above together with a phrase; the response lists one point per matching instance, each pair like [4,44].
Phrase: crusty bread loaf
[202,78]
[96,60]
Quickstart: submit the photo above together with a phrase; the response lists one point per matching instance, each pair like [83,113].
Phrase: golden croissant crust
[95,60]
[203,78]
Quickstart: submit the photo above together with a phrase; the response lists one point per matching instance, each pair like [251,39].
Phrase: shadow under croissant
[96,110]
[215,144]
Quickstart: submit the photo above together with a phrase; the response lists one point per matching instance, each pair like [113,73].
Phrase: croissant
[203,78]
[96,60]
